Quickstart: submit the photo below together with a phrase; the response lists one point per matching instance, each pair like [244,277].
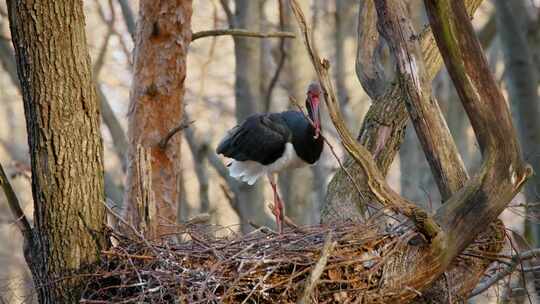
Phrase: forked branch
[376,182]
[503,172]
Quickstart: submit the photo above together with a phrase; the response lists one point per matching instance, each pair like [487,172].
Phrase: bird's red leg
[278,204]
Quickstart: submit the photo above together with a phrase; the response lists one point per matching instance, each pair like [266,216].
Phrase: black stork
[267,143]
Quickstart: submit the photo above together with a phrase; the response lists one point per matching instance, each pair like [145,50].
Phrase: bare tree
[62,116]
[249,93]
[156,107]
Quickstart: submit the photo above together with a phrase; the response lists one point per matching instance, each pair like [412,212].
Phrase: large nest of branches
[320,264]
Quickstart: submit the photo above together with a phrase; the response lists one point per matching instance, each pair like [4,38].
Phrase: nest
[320,264]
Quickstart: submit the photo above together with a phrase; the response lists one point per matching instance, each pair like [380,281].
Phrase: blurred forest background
[220,72]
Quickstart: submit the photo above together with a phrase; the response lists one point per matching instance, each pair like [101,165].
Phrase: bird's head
[312,105]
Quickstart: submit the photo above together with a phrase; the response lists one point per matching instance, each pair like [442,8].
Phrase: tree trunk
[522,83]
[249,99]
[156,107]
[62,119]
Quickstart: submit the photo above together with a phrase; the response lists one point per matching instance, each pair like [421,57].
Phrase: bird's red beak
[314,100]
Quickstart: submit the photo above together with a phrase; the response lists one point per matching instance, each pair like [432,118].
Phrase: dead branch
[317,271]
[240,33]
[439,147]
[507,270]
[228,12]
[21,221]
[165,140]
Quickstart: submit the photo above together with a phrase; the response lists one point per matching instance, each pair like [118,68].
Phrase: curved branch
[368,53]
[503,171]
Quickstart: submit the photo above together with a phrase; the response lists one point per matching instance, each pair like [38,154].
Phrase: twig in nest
[135,231]
[163,142]
[316,273]
[241,33]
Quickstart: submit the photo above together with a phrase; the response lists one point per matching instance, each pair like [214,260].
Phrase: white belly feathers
[249,171]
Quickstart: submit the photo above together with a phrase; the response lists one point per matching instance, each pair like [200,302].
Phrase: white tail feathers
[246,171]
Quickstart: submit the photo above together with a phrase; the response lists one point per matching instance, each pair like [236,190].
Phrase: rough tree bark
[156,107]
[249,95]
[62,118]
[522,83]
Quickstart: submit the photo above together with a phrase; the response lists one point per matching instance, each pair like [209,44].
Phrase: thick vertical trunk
[522,84]
[249,99]
[62,119]
[156,106]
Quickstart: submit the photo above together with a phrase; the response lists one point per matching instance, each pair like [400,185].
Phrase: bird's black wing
[260,138]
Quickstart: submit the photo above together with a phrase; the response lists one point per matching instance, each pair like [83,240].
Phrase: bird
[265,144]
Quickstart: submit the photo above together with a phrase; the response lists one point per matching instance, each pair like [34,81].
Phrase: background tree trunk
[249,95]
[62,118]
[522,83]
[297,186]
[156,107]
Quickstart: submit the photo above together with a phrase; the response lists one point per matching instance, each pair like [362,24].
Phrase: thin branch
[21,221]
[133,229]
[507,270]
[165,140]
[129,18]
[317,271]
[281,63]
[241,33]
[228,13]
[99,62]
